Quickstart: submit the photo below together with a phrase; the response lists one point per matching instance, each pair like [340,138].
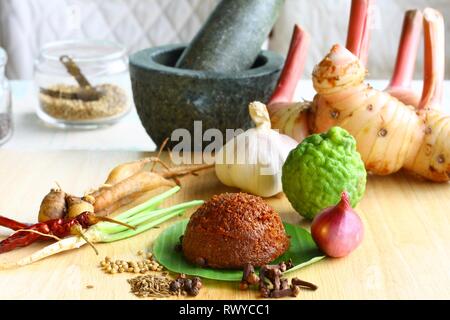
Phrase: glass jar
[61,100]
[6,126]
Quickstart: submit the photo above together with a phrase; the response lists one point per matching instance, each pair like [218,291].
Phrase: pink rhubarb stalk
[293,67]
[358,34]
[434,59]
[400,84]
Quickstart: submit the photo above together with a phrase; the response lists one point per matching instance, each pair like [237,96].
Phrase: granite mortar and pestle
[213,79]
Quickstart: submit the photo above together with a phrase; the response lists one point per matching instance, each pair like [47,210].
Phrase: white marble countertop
[31,134]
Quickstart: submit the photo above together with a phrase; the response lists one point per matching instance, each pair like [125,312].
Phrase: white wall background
[25,25]
[327,21]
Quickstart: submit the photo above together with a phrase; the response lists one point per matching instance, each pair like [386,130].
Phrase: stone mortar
[169,98]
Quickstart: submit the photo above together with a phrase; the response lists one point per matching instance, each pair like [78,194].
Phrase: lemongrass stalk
[144,227]
[434,59]
[150,204]
[144,216]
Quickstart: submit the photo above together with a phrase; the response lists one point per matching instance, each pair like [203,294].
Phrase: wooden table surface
[405,253]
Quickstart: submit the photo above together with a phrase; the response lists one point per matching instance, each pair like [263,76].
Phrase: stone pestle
[232,37]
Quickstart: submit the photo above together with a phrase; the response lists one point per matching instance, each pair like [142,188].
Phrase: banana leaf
[303,252]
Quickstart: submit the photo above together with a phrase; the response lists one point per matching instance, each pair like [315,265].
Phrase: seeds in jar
[113,101]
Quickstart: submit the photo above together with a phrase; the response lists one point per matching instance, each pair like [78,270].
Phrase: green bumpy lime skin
[320,168]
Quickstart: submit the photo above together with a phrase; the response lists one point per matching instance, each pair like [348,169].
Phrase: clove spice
[249,277]
[304,284]
[271,283]
[186,286]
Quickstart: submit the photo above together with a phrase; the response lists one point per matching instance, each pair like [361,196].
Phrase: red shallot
[338,230]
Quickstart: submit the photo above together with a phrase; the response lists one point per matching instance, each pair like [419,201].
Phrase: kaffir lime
[320,168]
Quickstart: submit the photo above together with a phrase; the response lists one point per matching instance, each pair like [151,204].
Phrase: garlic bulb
[252,161]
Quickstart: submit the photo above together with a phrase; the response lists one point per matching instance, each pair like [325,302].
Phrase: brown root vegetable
[77,206]
[125,184]
[53,206]
[140,182]
[110,198]
[184,171]
[126,170]
[120,204]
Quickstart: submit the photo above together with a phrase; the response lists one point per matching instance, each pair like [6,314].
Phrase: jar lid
[3,57]
[83,50]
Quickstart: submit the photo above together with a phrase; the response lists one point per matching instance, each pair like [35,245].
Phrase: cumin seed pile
[148,286]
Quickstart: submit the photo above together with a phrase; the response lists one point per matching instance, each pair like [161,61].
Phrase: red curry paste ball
[233,229]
